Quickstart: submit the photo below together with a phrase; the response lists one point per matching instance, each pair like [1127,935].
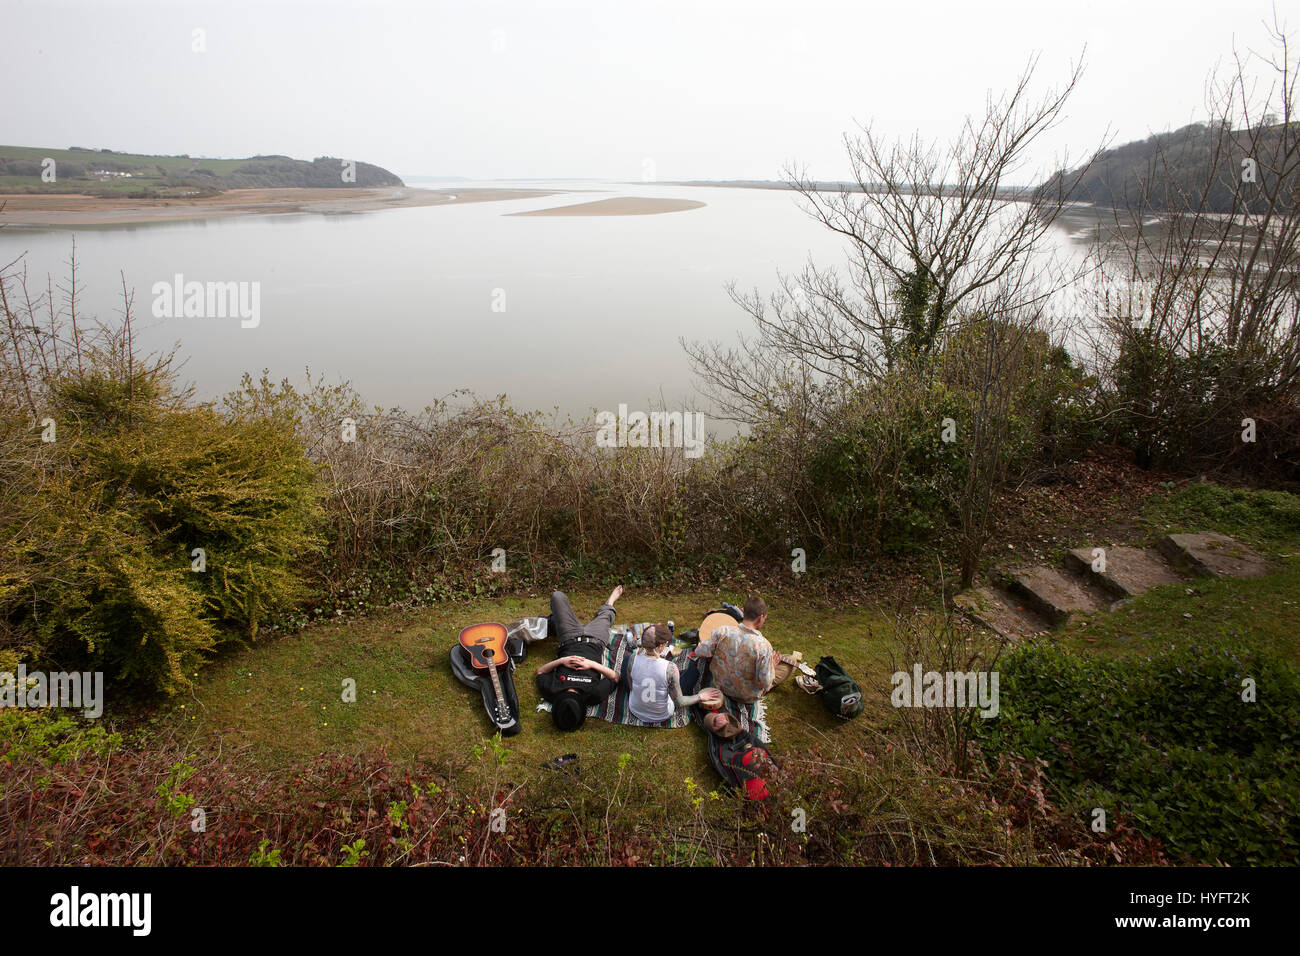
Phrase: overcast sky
[704,90]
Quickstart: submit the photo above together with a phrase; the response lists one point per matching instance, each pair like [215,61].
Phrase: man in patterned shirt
[742,662]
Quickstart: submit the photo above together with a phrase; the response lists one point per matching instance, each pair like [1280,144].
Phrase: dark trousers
[567,627]
[690,676]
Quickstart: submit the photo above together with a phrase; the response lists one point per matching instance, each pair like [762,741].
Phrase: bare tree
[934,231]
[1198,269]
[995,362]
[939,238]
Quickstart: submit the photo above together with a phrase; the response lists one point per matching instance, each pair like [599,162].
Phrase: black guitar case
[480,681]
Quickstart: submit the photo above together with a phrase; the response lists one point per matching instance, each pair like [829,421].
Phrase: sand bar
[69,209]
[620,206]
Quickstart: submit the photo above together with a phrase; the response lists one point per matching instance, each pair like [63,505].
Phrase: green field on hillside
[78,170]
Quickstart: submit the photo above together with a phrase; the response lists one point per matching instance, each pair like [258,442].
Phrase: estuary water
[567,313]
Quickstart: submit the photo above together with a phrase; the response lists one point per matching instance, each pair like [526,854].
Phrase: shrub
[1165,743]
[51,737]
[880,475]
[134,483]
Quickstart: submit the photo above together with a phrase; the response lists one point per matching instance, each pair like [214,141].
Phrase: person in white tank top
[654,681]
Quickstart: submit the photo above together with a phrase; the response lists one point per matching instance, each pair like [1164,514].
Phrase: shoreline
[77,209]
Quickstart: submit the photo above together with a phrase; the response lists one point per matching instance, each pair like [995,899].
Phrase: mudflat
[71,209]
[618,206]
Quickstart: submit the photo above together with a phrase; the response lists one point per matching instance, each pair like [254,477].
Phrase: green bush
[1165,743]
[881,474]
[879,477]
[135,481]
[1181,407]
[51,737]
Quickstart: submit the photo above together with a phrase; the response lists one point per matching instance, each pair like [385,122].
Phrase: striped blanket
[752,717]
[623,642]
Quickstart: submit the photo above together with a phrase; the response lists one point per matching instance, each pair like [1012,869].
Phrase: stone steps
[1039,598]
[1213,556]
[1124,572]
[1057,594]
[1001,612]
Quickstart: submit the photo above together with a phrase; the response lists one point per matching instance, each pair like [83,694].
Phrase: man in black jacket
[578,677]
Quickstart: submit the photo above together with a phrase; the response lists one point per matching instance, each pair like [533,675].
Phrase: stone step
[1213,555]
[1001,612]
[1128,571]
[1055,595]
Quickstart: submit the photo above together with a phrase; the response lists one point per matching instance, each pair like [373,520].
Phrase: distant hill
[1171,170]
[107,173]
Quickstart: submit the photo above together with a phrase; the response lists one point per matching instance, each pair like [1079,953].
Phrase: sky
[625,91]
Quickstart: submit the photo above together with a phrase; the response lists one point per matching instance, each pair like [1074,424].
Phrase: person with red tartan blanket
[747,761]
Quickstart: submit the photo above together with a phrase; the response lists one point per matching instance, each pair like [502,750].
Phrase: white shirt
[649,699]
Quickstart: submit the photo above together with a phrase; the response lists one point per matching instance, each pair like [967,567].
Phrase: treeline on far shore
[1159,174]
[105,172]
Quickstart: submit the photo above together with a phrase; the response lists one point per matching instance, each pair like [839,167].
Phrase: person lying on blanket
[744,665]
[747,761]
[578,677]
[654,683]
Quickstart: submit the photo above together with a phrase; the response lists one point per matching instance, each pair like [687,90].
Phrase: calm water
[400,301]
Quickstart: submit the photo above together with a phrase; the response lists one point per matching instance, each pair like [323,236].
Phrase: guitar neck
[503,711]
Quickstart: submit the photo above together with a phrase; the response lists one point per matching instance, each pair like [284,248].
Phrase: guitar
[486,645]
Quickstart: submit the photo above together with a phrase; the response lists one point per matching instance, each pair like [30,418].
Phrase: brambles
[128,806]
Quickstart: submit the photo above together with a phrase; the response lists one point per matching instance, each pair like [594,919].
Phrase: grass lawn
[880,789]
[1269,521]
[284,696]
[1264,612]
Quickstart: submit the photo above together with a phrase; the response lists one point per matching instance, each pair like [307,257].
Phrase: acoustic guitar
[486,644]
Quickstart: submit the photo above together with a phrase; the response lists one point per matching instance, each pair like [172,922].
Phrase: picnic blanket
[623,642]
[752,717]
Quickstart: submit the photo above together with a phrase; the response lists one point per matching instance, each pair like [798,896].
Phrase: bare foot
[614,595]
